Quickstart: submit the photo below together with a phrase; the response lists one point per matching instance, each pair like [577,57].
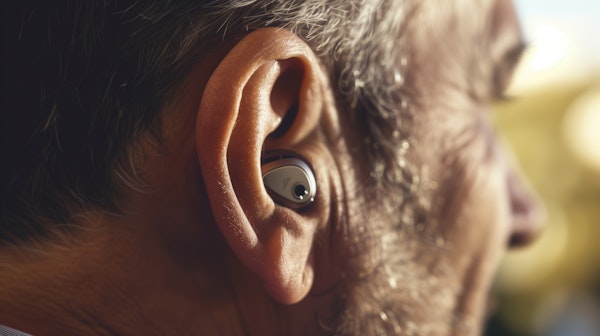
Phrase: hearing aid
[290,181]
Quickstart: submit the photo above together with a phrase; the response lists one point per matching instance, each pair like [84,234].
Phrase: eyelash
[504,70]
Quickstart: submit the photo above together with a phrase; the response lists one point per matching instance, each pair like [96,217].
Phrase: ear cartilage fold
[290,181]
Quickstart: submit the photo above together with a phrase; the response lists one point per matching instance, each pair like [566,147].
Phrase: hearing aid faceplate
[290,181]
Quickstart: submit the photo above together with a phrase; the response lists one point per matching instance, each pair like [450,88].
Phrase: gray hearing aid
[290,181]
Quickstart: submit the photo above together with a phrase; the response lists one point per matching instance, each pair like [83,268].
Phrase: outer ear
[267,93]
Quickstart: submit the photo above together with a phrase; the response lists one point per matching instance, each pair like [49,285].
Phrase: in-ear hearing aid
[290,181]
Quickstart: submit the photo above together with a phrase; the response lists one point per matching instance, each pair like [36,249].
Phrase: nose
[527,211]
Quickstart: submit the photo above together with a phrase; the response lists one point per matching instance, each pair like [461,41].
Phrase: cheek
[478,220]
[476,208]
[475,228]
[472,213]
[481,221]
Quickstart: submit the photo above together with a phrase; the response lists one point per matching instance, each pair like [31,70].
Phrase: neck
[116,281]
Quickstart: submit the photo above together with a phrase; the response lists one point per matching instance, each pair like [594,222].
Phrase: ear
[266,94]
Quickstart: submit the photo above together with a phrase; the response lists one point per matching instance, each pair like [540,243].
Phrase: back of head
[84,85]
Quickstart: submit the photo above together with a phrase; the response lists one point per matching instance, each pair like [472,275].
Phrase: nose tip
[527,212]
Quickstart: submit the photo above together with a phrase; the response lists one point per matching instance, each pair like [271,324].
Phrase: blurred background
[552,288]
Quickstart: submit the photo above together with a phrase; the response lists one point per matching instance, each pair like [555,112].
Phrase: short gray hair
[75,153]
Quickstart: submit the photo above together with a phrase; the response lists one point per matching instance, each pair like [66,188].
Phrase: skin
[207,251]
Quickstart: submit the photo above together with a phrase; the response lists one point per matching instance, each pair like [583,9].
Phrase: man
[134,136]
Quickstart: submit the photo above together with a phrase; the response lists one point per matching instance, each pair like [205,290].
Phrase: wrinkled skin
[477,203]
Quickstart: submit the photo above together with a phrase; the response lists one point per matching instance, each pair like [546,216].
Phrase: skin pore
[204,249]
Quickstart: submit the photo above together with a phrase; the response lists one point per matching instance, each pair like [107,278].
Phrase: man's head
[135,133]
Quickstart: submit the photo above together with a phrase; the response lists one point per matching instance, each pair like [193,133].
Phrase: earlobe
[266,94]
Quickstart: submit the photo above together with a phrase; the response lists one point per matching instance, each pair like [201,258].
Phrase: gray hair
[77,152]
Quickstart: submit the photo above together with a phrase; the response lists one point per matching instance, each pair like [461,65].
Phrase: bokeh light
[582,128]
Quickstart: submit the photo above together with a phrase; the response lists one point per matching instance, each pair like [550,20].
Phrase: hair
[84,84]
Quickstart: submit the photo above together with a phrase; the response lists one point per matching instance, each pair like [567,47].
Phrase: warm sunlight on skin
[156,124]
